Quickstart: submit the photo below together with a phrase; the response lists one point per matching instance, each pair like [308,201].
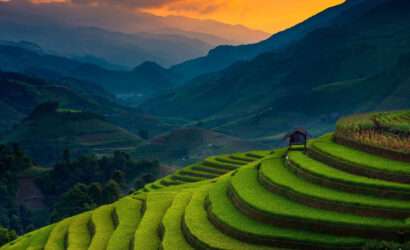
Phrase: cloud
[200,7]
[193,6]
[126,3]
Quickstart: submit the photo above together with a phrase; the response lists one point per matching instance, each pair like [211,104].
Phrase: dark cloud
[193,6]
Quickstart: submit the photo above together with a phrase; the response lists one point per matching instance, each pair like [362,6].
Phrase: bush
[6,235]
[385,245]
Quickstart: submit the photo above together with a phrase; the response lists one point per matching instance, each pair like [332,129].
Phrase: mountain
[114,35]
[47,132]
[115,47]
[114,18]
[311,80]
[145,80]
[233,34]
[224,56]
[184,145]
[20,94]
[335,196]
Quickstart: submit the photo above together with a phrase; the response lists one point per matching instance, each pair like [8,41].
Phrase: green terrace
[359,162]
[210,168]
[329,196]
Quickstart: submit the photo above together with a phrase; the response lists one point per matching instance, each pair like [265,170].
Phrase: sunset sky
[267,15]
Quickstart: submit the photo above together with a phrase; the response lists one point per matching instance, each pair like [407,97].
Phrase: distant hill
[116,35]
[357,64]
[46,133]
[20,94]
[224,56]
[186,145]
[144,80]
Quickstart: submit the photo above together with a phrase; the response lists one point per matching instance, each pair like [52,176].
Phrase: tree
[6,235]
[147,178]
[138,184]
[385,245]
[25,218]
[111,191]
[95,191]
[118,176]
[74,201]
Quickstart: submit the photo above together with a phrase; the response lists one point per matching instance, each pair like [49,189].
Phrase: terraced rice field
[385,133]
[332,197]
[210,168]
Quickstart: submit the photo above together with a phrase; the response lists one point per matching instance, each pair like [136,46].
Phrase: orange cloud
[267,15]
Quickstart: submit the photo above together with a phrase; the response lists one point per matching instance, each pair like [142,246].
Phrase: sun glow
[267,15]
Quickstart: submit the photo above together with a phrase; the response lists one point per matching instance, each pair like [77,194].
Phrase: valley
[120,129]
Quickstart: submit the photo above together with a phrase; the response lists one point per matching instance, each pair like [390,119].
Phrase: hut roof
[298,130]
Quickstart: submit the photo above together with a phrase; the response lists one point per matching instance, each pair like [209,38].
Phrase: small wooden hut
[299,137]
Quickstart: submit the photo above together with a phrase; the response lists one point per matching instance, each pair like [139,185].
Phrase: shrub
[384,245]
[6,235]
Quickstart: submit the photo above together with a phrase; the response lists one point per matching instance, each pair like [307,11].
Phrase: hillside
[144,80]
[332,197]
[187,145]
[20,94]
[223,56]
[46,133]
[355,65]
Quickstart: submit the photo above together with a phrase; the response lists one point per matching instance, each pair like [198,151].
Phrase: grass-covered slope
[386,133]
[363,61]
[44,136]
[332,197]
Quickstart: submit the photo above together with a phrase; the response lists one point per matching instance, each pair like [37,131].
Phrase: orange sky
[267,15]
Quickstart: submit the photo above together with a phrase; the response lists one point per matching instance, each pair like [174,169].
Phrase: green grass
[185,186]
[18,244]
[39,239]
[128,211]
[57,236]
[207,233]
[104,227]
[153,186]
[277,173]
[185,178]
[210,169]
[79,237]
[227,159]
[229,215]
[167,181]
[241,157]
[322,170]
[211,162]
[198,173]
[173,237]
[202,210]
[248,188]
[258,153]
[146,236]
[358,158]
[392,121]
